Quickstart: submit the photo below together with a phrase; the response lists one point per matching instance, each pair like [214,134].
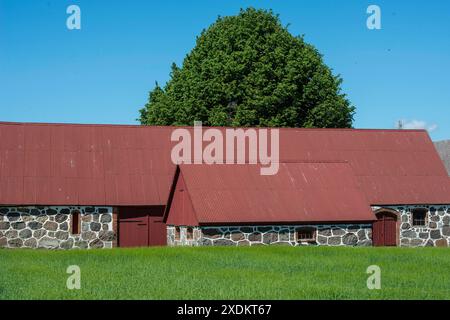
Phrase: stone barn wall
[327,235]
[436,231]
[50,227]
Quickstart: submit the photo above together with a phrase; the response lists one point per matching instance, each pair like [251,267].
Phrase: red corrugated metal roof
[62,164]
[300,192]
[130,165]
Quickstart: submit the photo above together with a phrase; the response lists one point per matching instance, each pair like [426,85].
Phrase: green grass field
[227,273]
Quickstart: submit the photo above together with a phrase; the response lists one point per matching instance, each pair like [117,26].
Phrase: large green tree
[248,70]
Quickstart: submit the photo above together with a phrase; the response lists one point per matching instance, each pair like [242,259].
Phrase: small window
[306,234]
[189,233]
[76,222]
[177,233]
[419,217]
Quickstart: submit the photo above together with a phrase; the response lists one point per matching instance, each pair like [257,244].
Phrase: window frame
[425,218]
[312,230]
[189,233]
[177,233]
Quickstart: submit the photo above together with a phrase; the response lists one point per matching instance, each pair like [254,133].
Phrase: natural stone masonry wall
[49,227]
[328,235]
[436,232]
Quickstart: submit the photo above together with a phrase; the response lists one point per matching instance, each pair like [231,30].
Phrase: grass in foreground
[227,273]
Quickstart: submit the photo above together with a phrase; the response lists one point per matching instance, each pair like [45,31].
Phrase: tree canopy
[248,70]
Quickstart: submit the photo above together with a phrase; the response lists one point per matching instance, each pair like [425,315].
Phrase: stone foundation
[328,235]
[436,231]
[50,227]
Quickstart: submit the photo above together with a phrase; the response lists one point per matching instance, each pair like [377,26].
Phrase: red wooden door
[157,231]
[384,231]
[141,227]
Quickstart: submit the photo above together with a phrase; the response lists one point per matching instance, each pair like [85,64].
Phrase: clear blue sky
[103,72]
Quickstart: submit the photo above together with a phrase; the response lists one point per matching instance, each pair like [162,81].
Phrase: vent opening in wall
[75,222]
[306,234]
[419,217]
[177,233]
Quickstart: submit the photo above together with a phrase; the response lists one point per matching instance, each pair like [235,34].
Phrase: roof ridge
[222,127]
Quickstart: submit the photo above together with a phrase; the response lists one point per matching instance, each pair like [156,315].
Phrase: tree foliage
[248,70]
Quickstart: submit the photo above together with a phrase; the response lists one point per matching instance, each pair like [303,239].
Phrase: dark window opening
[306,234]
[76,222]
[189,233]
[419,217]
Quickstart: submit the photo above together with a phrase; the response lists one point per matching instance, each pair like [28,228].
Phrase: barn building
[102,186]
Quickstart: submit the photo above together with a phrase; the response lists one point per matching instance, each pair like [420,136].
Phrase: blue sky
[103,72]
